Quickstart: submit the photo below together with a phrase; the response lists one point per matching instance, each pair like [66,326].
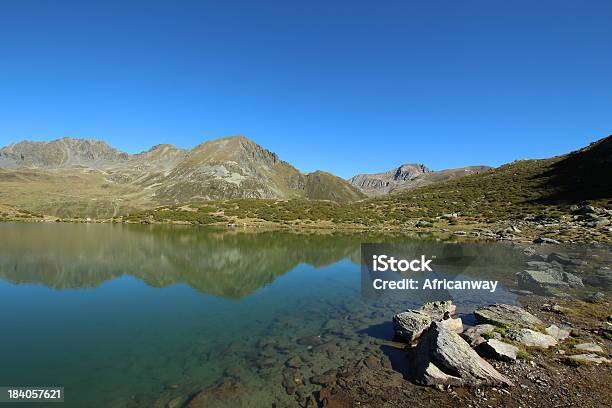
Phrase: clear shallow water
[130,316]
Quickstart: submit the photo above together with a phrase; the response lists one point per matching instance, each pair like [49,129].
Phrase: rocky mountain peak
[238,149]
[408,176]
[409,171]
[59,153]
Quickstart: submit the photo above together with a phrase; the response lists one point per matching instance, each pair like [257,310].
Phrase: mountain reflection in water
[229,264]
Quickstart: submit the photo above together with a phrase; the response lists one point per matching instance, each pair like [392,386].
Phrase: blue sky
[346,87]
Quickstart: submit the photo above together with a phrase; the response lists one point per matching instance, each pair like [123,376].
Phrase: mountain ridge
[88,177]
[408,176]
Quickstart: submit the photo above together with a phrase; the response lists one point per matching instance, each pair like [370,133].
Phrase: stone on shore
[409,325]
[474,335]
[443,357]
[506,316]
[434,376]
[540,281]
[498,350]
[588,359]
[531,338]
[590,347]
[557,332]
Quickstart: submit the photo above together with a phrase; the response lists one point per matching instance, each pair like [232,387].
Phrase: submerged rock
[498,349]
[324,379]
[409,325]
[506,316]
[531,338]
[544,240]
[563,259]
[443,357]
[310,341]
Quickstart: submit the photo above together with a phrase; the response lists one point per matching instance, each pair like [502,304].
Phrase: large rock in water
[409,325]
[507,316]
[443,357]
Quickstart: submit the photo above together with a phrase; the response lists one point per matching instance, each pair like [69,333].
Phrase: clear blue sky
[355,86]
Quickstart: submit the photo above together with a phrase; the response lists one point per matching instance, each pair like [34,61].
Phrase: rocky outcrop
[61,153]
[409,325]
[383,183]
[443,357]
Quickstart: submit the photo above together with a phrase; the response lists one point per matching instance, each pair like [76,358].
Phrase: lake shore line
[511,230]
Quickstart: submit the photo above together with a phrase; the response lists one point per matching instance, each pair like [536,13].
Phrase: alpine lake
[151,315]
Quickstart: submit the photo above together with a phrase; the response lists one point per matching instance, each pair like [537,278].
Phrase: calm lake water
[131,316]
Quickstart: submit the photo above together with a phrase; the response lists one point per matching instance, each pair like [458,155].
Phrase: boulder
[498,350]
[409,325]
[588,359]
[557,332]
[506,316]
[443,357]
[474,335]
[531,338]
[590,347]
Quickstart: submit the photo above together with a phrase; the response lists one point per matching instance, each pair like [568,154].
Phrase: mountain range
[84,177]
[88,178]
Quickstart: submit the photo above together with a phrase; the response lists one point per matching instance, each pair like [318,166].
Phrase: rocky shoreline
[551,351]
